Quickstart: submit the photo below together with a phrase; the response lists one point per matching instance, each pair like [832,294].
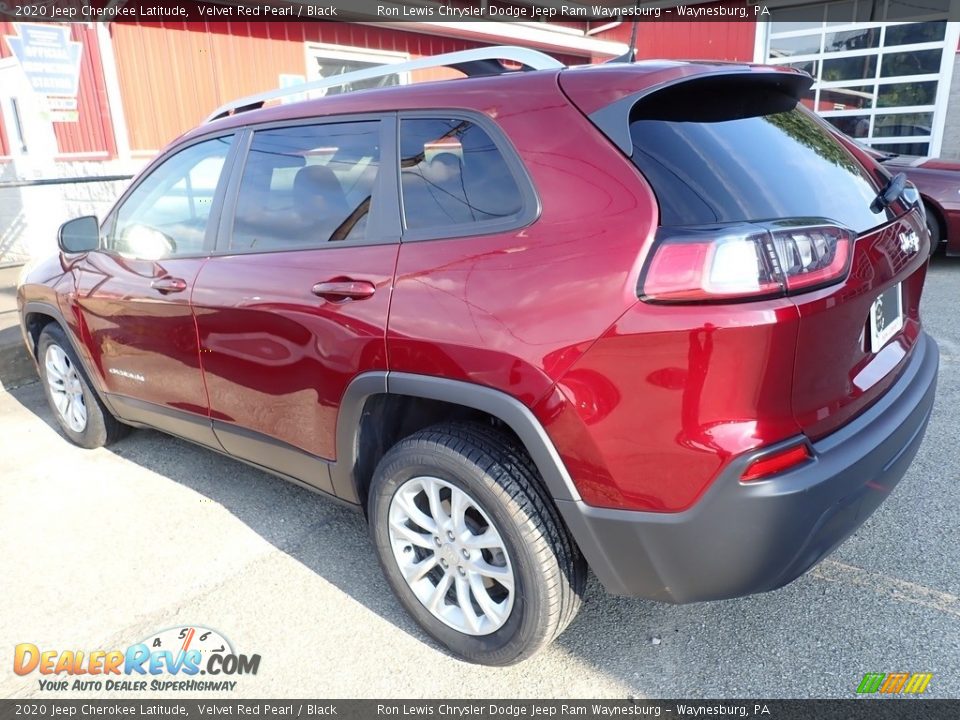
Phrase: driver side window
[167,214]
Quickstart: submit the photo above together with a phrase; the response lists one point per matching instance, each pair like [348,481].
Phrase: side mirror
[79,235]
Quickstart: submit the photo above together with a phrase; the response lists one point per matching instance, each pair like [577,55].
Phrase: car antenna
[631,54]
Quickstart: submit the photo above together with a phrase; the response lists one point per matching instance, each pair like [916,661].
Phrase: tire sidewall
[528,615]
[94,433]
[933,226]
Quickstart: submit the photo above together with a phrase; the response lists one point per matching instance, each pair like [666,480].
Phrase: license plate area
[886,317]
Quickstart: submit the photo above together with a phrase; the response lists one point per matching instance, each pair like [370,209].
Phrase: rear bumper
[741,538]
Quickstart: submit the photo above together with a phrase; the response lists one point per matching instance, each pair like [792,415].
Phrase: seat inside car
[319,202]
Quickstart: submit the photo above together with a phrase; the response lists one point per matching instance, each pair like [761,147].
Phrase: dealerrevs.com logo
[187,659]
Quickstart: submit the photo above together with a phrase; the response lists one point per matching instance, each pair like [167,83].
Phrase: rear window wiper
[890,193]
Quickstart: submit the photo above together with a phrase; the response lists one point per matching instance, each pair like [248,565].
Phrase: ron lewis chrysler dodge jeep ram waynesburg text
[651,319]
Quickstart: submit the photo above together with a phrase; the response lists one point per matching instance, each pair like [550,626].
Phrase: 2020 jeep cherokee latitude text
[651,319]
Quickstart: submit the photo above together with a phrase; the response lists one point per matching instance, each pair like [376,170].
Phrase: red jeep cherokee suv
[650,319]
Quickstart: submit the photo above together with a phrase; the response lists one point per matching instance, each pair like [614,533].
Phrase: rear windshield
[729,168]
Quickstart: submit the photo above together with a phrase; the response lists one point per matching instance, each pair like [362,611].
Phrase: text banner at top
[598,11]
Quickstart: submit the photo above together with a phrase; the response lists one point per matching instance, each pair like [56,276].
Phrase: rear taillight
[745,261]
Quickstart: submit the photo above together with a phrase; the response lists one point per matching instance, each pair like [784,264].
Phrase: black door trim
[248,446]
[183,424]
[274,455]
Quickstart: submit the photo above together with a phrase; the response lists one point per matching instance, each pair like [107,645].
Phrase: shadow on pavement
[331,539]
[16,368]
[814,638]
[324,535]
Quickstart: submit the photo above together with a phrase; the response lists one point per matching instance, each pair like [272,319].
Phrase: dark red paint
[937,180]
[645,403]
[276,357]
[939,184]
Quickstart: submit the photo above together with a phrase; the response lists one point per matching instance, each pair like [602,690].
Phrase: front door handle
[335,290]
[169,284]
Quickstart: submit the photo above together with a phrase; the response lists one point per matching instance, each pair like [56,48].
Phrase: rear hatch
[758,199]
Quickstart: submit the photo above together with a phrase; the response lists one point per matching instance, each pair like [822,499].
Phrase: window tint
[858,39]
[856,126]
[908,9]
[452,173]
[726,168]
[166,215]
[854,97]
[911,148]
[307,185]
[804,45]
[904,94]
[916,33]
[918,62]
[903,125]
[850,68]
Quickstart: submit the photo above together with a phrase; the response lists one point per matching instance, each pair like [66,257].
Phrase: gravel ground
[102,549]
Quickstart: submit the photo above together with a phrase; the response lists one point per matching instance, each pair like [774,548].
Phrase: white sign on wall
[51,62]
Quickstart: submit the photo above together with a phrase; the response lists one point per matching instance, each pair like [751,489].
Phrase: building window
[325,61]
[883,83]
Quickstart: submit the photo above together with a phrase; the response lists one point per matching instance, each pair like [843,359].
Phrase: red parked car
[650,319]
[938,182]
[935,182]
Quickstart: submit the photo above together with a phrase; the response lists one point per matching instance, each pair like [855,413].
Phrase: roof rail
[479,61]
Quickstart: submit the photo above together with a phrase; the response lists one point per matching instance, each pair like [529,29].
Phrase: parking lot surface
[101,549]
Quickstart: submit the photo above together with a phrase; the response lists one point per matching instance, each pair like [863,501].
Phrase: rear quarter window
[761,159]
[456,180]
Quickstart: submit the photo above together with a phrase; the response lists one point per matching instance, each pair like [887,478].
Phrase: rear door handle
[335,290]
[169,285]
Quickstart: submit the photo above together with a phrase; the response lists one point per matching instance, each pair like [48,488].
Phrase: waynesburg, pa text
[508,710]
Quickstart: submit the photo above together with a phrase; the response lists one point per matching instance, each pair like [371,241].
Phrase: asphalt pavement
[101,549]
[16,367]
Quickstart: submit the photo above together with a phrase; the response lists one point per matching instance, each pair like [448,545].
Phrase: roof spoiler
[613,120]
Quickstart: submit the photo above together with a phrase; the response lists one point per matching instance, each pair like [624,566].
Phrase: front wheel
[471,544]
[79,413]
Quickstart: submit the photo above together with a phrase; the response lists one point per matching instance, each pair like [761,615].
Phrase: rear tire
[78,411]
[506,580]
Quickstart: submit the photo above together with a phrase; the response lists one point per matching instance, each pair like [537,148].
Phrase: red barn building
[141,84]
[880,77]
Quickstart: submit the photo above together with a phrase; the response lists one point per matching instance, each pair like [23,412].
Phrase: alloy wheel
[66,388]
[451,555]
